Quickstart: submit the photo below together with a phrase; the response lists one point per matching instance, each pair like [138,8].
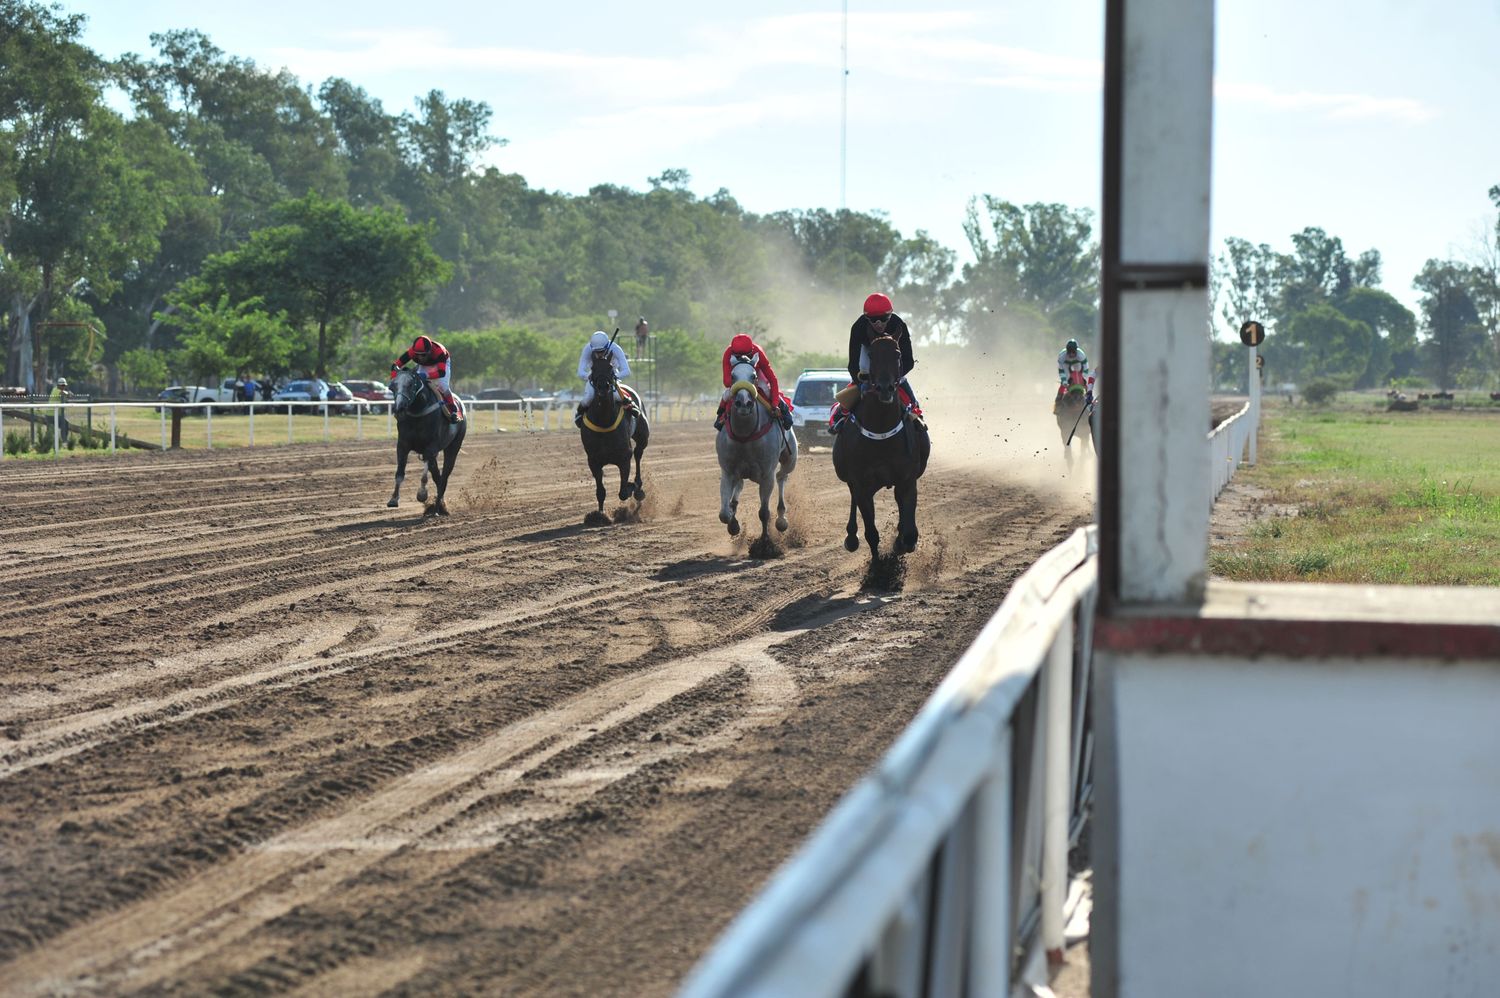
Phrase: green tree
[232,337]
[329,265]
[1454,346]
[143,370]
[78,210]
[1331,346]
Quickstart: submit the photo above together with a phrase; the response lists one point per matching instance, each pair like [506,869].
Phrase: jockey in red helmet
[743,348]
[436,365]
[877,319]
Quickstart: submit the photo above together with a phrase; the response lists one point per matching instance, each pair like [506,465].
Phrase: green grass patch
[1390,498]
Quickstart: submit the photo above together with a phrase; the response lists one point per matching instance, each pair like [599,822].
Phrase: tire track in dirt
[231,739]
[138,947]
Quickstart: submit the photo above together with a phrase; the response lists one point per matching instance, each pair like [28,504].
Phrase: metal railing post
[1057,791]
[250,412]
[208,425]
[113,425]
[56,427]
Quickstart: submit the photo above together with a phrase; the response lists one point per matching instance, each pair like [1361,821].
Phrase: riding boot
[719,418]
[450,411]
[786,415]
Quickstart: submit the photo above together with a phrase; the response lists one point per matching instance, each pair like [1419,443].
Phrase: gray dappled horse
[752,446]
[611,433]
[1075,417]
[422,427]
[881,446]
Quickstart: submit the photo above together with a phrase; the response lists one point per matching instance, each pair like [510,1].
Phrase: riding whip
[1086,410]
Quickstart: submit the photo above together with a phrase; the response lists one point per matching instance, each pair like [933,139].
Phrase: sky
[1373,120]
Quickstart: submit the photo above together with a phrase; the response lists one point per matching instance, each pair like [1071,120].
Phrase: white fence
[945,872]
[273,422]
[1227,443]
[958,841]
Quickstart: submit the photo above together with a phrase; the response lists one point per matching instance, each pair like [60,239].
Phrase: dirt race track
[260,734]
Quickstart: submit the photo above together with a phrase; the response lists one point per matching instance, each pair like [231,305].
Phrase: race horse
[753,446]
[422,427]
[1075,422]
[612,433]
[881,446]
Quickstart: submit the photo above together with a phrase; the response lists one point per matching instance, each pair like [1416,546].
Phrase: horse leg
[851,535]
[598,471]
[400,476]
[867,512]
[626,490]
[784,466]
[728,500]
[438,480]
[450,458]
[642,438]
[765,503]
[906,521]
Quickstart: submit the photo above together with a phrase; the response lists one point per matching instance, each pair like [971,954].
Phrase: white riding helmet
[599,341]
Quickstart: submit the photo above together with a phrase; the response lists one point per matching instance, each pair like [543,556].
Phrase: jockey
[1073,369]
[598,343]
[743,348]
[877,320]
[435,364]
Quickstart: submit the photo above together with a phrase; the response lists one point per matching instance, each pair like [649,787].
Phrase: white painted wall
[1307,828]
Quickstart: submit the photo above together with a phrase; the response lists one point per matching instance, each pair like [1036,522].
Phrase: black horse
[422,427]
[611,434]
[881,446]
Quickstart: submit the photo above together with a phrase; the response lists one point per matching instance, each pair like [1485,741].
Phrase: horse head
[407,388]
[742,378]
[885,367]
[602,373]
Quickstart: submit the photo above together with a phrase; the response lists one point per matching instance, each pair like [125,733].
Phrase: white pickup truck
[195,393]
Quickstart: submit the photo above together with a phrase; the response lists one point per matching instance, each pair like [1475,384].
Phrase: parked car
[812,399]
[370,391]
[340,392]
[302,390]
[500,395]
[192,393]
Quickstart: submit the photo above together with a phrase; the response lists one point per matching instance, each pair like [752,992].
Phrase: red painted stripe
[1254,638]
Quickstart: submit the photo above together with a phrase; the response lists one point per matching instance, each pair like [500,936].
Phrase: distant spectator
[266,388]
[642,337]
[60,395]
[247,389]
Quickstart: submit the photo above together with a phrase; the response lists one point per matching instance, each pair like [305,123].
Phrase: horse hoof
[442,508]
[723,517]
[781,524]
[640,494]
[422,496]
[734,527]
[851,543]
[392,504]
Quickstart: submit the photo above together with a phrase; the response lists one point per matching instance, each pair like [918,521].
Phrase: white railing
[1227,443]
[264,421]
[944,872]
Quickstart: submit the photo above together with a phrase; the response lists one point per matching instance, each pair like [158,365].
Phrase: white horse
[753,446]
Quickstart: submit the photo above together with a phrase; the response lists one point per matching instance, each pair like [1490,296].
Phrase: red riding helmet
[741,344]
[421,347]
[877,305]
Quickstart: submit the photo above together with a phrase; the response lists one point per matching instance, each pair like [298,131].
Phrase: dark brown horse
[612,435]
[422,427]
[881,446]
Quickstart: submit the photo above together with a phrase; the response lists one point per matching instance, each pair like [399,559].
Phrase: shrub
[1320,392]
[16,444]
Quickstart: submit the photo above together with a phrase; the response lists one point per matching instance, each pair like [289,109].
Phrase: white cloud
[1336,106]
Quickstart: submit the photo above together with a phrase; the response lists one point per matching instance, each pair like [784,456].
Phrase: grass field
[1382,497]
[269,426]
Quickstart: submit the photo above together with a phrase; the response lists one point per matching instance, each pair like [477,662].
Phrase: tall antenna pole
[844,114]
[844,154]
